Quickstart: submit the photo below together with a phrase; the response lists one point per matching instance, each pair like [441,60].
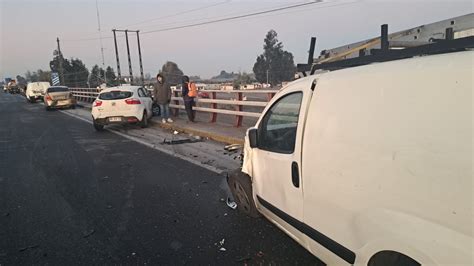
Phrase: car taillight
[97,103]
[48,98]
[132,101]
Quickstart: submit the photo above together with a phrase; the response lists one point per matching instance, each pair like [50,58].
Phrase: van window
[277,132]
[115,95]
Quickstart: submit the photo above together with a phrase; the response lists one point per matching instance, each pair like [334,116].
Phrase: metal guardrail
[237,100]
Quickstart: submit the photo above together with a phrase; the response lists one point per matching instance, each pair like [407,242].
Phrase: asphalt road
[70,195]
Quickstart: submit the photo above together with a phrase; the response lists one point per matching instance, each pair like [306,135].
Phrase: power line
[234,17]
[212,21]
[177,14]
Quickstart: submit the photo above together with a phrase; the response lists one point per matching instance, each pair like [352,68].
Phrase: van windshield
[58,89]
[115,95]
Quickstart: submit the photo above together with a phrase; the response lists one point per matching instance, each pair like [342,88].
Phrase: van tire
[144,122]
[240,185]
[98,127]
[391,258]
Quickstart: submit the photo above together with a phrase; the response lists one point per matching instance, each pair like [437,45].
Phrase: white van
[35,91]
[370,165]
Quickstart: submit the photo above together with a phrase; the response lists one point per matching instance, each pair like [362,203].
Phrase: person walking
[188,100]
[162,96]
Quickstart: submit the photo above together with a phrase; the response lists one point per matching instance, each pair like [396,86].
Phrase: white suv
[122,105]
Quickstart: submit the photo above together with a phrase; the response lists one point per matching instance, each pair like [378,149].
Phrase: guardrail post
[238,118]
[214,106]
[176,110]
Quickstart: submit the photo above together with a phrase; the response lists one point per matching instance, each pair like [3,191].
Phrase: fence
[233,98]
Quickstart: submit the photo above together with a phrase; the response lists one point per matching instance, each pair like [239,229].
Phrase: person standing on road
[162,96]
[188,100]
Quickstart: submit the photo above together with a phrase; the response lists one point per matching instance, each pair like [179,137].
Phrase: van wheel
[241,187]
[391,258]
[98,127]
[144,122]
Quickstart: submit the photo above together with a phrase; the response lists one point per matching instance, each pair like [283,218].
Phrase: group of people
[162,96]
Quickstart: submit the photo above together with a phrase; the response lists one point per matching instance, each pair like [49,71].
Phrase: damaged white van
[369,165]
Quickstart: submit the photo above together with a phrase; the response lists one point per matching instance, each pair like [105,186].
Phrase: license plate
[115,119]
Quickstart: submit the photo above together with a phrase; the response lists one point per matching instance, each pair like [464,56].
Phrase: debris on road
[260,254]
[244,259]
[87,234]
[175,132]
[222,249]
[231,204]
[180,141]
[232,147]
[28,247]
[6,214]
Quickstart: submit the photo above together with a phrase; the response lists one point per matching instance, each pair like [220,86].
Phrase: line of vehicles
[125,104]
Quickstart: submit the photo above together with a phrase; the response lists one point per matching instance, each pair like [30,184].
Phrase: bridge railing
[214,102]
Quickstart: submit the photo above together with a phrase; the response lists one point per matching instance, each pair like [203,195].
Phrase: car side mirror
[253,138]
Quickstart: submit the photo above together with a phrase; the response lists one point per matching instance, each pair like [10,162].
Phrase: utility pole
[140,57]
[128,53]
[129,60]
[267,76]
[119,76]
[61,70]
[101,44]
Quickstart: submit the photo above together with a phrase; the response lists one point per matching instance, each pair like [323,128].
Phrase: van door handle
[295,174]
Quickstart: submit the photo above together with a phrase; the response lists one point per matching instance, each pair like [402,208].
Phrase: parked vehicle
[58,97]
[12,87]
[36,90]
[122,105]
[369,165]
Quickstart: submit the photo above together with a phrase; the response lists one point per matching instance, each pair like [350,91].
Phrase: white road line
[198,163]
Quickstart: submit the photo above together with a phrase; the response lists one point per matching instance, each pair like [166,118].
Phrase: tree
[95,78]
[75,73]
[21,81]
[40,75]
[111,77]
[275,64]
[171,73]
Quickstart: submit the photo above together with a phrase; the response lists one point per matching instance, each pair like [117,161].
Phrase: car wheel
[98,127]
[32,100]
[391,258]
[241,188]
[73,106]
[48,108]
[144,122]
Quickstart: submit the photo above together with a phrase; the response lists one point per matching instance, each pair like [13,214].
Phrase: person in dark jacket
[162,96]
[188,101]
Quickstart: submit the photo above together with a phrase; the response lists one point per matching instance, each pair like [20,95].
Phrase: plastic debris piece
[176,132]
[222,241]
[260,254]
[225,214]
[133,253]
[231,204]
[222,249]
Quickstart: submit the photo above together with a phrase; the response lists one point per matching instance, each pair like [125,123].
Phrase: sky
[29,28]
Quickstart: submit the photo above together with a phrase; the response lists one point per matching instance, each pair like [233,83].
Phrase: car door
[277,158]
[146,100]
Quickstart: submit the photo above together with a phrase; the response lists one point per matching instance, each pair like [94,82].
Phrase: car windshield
[57,89]
[115,95]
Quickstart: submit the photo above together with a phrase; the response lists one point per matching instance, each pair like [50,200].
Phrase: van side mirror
[253,138]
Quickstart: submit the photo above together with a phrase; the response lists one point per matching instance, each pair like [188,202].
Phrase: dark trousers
[188,105]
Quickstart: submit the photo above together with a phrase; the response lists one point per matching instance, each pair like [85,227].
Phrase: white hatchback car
[122,105]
